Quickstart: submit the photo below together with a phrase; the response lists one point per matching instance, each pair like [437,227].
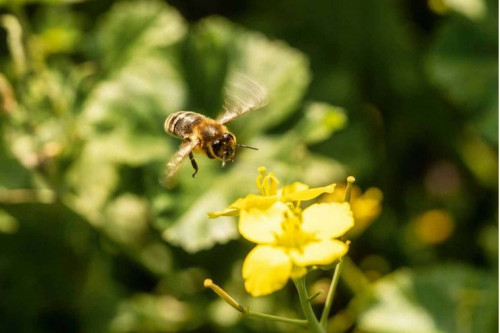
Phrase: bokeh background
[403,95]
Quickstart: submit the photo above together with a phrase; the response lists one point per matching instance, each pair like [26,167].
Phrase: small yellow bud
[350,181]
[208,283]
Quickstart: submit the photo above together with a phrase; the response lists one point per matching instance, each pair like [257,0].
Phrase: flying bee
[200,133]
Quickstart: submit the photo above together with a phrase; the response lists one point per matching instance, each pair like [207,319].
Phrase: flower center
[293,236]
[267,184]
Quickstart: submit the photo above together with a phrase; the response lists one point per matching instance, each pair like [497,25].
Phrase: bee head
[223,147]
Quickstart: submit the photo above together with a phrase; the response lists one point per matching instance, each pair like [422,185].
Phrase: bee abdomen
[180,123]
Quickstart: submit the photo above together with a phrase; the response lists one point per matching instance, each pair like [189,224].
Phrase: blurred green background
[403,95]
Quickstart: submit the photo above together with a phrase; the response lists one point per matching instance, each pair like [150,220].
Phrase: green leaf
[12,173]
[463,63]
[122,117]
[133,30]
[93,178]
[8,223]
[60,30]
[126,218]
[138,97]
[152,313]
[321,120]
[194,231]
[472,9]
[447,298]
[282,70]
[205,63]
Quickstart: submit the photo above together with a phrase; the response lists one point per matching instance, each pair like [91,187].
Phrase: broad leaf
[446,298]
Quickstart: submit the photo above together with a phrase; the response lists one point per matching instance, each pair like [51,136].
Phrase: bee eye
[216,146]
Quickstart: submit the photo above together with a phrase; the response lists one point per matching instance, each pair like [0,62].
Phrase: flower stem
[245,311]
[312,321]
[331,293]
[299,322]
[338,269]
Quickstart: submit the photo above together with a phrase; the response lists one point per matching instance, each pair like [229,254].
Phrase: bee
[200,133]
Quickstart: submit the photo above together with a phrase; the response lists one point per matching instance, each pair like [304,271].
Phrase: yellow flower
[288,238]
[270,194]
[366,207]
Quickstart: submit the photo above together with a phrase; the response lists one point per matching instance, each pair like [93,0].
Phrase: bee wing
[241,96]
[175,162]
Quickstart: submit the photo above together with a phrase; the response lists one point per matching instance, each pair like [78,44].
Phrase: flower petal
[266,269]
[286,190]
[319,253]
[255,201]
[262,226]
[248,202]
[226,212]
[327,220]
[303,194]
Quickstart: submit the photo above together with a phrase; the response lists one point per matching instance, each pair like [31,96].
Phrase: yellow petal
[232,210]
[255,201]
[368,206]
[307,194]
[248,202]
[293,188]
[226,212]
[262,226]
[265,270]
[327,220]
[319,253]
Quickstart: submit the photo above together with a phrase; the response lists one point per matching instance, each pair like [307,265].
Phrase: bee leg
[193,163]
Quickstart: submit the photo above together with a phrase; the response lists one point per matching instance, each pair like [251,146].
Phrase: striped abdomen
[181,124]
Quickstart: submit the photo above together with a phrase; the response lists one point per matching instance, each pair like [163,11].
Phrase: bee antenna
[245,146]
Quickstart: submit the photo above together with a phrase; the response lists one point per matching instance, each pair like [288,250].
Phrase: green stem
[312,321]
[299,322]
[354,278]
[338,269]
[331,294]
[208,283]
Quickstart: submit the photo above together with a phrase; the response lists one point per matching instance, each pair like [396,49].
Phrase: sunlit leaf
[126,218]
[138,29]
[194,231]
[60,31]
[122,118]
[8,223]
[321,120]
[94,178]
[145,312]
[441,299]
[12,173]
